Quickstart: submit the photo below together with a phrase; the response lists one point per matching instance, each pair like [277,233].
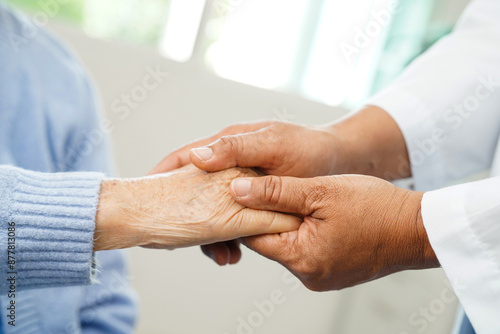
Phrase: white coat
[447,104]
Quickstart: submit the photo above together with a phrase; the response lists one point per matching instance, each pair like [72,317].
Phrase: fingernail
[204,153]
[241,187]
[212,256]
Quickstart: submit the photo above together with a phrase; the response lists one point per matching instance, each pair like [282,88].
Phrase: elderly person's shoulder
[44,89]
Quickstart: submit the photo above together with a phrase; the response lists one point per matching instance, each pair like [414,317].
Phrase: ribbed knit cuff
[54,216]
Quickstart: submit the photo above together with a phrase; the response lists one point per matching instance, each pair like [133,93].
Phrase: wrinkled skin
[276,148]
[356,228]
[183,208]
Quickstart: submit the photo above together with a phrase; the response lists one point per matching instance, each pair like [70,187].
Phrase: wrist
[372,144]
[415,249]
[347,157]
[113,226]
[354,154]
[426,257]
[332,157]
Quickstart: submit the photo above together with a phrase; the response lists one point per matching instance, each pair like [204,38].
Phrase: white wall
[183,292]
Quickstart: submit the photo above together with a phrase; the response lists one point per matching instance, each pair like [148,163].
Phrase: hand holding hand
[184,208]
[273,147]
[356,228]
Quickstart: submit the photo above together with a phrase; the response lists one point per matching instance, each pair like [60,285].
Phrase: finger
[275,193]
[272,246]
[234,251]
[255,222]
[224,252]
[219,252]
[180,157]
[253,149]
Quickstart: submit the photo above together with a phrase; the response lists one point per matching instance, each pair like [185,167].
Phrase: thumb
[275,193]
[242,150]
[272,246]
[179,158]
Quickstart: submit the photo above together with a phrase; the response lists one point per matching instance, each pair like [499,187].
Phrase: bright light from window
[345,50]
[135,21]
[181,29]
[258,42]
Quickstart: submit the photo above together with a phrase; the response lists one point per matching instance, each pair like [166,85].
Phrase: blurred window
[336,52]
[70,11]
[136,21]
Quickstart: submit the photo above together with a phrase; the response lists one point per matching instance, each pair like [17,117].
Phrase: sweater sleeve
[47,225]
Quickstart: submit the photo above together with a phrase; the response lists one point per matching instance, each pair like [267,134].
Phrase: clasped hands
[306,210]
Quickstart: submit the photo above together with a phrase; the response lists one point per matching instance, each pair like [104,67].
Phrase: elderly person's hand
[184,208]
[356,228]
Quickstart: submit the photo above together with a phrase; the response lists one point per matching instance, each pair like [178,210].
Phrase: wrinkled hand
[184,208]
[276,148]
[356,228]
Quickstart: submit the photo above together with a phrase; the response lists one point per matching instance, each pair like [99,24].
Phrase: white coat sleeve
[463,225]
[447,102]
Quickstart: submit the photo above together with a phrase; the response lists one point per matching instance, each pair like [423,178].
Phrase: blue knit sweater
[48,124]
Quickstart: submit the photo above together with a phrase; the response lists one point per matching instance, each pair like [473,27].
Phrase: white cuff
[463,225]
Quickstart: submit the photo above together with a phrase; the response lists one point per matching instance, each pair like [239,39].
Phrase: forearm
[373,144]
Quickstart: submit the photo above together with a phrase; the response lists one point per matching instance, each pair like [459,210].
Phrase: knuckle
[178,161]
[272,124]
[304,266]
[319,191]
[307,270]
[279,125]
[313,277]
[236,129]
[312,272]
[231,144]
[282,126]
[236,172]
[273,221]
[315,286]
[324,189]
[273,188]
[228,130]
[275,132]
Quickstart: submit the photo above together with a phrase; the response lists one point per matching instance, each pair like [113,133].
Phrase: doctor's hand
[273,147]
[183,208]
[368,142]
[276,148]
[356,228]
